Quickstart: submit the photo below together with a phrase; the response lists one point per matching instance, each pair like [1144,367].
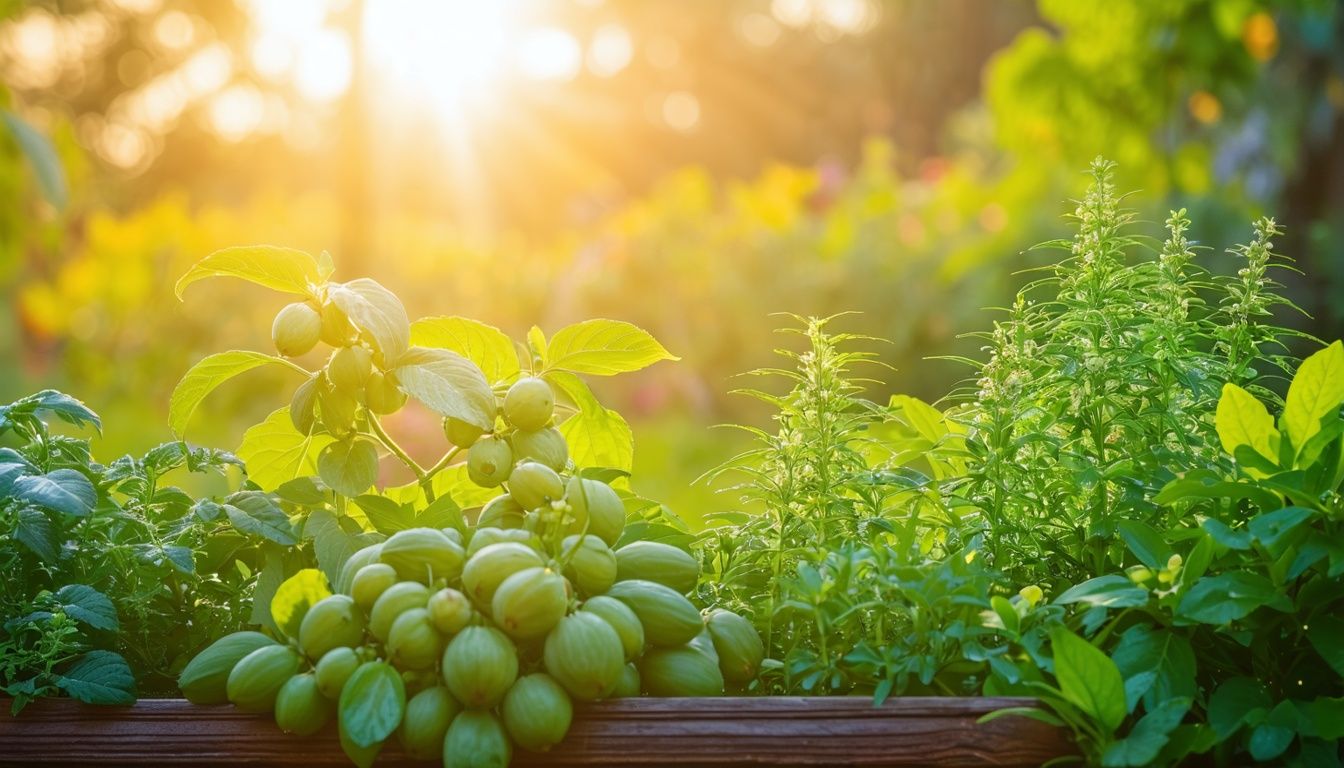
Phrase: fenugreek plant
[1100,385]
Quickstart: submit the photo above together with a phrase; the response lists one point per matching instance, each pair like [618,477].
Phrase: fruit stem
[391,445]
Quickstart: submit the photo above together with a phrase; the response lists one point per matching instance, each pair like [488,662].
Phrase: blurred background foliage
[690,167]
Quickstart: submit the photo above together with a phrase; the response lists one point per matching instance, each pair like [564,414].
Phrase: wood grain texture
[797,731]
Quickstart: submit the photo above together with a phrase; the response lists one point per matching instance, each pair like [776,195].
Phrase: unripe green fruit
[591,563]
[529,404]
[204,679]
[485,536]
[450,611]
[400,597]
[628,686]
[337,331]
[488,568]
[345,579]
[303,405]
[584,654]
[655,561]
[257,678]
[349,369]
[296,329]
[680,671]
[413,642]
[332,622]
[382,394]
[529,603]
[428,715]
[537,712]
[334,669]
[704,644]
[417,680]
[476,740]
[621,619]
[300,707]
[462,434]
[423,554]
[669,619]
[532,484]
[489,461]
[338,409]
[594,504]
[546,446]
[737,644]
[371,582]
[501,512]
[479,665]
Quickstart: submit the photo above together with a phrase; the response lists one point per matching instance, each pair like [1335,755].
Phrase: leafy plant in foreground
[116,576]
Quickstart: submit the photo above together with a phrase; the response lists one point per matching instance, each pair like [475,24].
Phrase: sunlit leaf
[488,347]
[597,436]
[1241,419]
[603,348]
[282,269]
[295,596]
[1316,391]
[450,384]
[208,374]
[276,453]
[377,311]
[1088,678]
[348,467]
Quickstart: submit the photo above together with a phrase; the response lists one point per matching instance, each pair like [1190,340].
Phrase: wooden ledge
[799,731]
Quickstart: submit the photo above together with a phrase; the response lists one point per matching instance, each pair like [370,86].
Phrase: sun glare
[444,51]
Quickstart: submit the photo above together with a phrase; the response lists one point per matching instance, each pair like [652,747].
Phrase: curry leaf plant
[1100,386]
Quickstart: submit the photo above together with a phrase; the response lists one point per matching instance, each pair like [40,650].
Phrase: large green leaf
[63,490]
[1149,735]
[597,437]
[1109,591]
[84,603]
[372,703]
[1156,664]
[1241,419]
[1088,679]
[99,677]
[349,466]
[485,345]
[275,452]
[257,514]
[1229,596]
[1316,391]
[1234,702]
[295,596]
[208,374]
[377,311]
[50,401]
[281,269]
[603,347]
[450,384]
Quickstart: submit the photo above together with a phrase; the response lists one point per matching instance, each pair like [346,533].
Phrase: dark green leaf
[1269,527]
[62,490]
[86,604]
[1232,539]
[1145,542]
[1167,658]
[1148,736]
[1234,702]
[256,513]
[372,703]
[1230,596]
[34,531]
[1110,591]
[99,677]
[1326,635]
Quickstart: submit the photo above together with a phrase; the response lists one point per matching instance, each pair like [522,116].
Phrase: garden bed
[644,731]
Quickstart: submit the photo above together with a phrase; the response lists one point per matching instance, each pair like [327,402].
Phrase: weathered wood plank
[830,731]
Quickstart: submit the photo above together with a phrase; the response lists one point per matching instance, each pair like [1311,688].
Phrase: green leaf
[34,531]
[276,453]
[597,437]
[485,345]
[377,311]
[454,483]
[1088,679]
[269,578]
[1161,661]
[1228,597]
[1110,591]
[208,374]
[1241,419]
[86,604]
[349,466]
[1268,740]
[42,156]
[294,597]
[281,269]
[1316,392]
[1234,702]
[66,491]
[386,515]
[602,348]
[99,677]
[256,513]
[332,545]
[50,401]
[1145,542]
[1148,736]
[449,384]
[1326,635]
[1269,527]
[372,703]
